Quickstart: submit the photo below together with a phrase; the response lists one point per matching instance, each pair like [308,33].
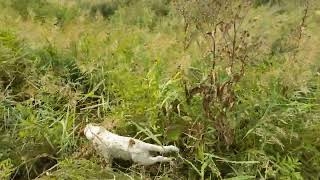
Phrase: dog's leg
[160,149]
[171,148]
[104,152]
[150,160]
[156,159]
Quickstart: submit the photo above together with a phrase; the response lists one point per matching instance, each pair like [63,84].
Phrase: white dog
[114,146]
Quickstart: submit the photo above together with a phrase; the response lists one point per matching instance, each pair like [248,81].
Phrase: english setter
[111,145]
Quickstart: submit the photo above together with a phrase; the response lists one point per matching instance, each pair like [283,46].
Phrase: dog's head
[91,131]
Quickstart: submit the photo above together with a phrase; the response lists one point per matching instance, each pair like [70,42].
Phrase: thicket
[234,84]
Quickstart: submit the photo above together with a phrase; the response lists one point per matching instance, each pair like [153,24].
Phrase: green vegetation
[235,85]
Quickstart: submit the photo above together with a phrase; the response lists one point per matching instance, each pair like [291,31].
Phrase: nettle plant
[216,26]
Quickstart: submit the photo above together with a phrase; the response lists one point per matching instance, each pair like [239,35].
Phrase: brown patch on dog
[131,143]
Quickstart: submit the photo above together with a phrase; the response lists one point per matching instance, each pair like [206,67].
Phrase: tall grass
[128,66]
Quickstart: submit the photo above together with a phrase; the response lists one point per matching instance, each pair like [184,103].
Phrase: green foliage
[267,2]
[43,10]
[13,60]
[161,8]
[82,169]
[133,72]
[106,9]
[6,168]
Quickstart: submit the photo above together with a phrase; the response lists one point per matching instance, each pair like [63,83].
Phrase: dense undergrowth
[145,68]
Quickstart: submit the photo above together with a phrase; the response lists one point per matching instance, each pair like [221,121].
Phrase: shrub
[267,2]
[14,61]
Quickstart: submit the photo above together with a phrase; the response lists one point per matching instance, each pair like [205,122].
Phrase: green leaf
[173,133]
[241,178]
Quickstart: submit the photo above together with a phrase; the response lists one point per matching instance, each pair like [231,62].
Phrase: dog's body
[114,146]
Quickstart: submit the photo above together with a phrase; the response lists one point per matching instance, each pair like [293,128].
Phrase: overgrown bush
[14,61]
[43,10]
[267,2]
[234,84]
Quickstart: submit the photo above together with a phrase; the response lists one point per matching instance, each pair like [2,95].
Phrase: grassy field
[235,85]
